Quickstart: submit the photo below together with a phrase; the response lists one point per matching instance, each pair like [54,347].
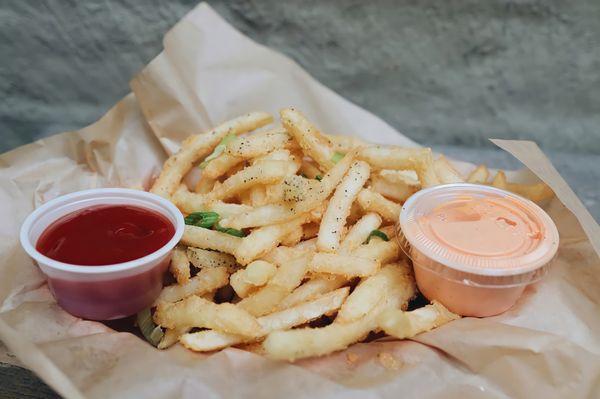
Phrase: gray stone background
[449,74]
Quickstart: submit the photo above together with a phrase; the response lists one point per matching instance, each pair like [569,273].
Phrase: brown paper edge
[533,158]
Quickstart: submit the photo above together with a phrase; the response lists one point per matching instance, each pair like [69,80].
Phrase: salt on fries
[290,226]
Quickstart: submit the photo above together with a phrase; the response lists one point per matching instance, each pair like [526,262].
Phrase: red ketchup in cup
[104,251]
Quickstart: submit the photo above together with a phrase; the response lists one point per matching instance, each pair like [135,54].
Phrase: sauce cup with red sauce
[104,251]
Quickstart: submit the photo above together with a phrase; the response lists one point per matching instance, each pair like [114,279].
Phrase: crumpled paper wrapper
[548,345]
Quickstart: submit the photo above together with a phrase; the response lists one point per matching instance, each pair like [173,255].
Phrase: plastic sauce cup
[471,273]
[102,292]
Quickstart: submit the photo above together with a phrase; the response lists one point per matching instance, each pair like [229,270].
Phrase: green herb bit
[337,156]
[218,149]
[319,177]
[230,231]
[202,219]
[377,233]
[149,329]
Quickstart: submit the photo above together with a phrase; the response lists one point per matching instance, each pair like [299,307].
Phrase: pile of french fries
[289,248]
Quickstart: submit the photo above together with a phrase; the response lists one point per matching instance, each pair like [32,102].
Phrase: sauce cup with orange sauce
[475,248]
[103,251]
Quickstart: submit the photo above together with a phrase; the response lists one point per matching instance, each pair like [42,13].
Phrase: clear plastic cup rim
[534,260]
[167,209]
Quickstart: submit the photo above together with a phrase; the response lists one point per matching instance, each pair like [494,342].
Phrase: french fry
[300,343]
[265,172]
[401,325]
[310,230]
[445,171]
[210,239]
[334,218]
[343,265]
[318,285]
[397,190]
[205,281]
[180,265]
[204,185]
[312,142]
[282,254]
[479,175]
[190,202]
[389,157]
[197,312]
[270,214]
[371,201]
[310,169]
[293,237]
[500,181]
[378,250]
[211,340]
[260,143]
[288,276]
[221,165]
[345,143]
[537,192]
[255,275]
[172,336]
[197,146]
[202,258]
[258,195]
[263,239]
[359,233]
[367,295]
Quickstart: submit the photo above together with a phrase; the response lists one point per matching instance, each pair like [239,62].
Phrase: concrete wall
[442,72]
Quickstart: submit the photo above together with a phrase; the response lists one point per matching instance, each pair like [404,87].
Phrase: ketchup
[105,235]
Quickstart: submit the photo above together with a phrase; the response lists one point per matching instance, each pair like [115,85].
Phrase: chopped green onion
[218,149]
[230,231]
[319,177]
[202,219]
[150,331]
[377,233]
[336,157]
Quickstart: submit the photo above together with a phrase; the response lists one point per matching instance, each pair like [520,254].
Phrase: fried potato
[189,202]
[263,239]
[343,265]
[205,281]
[180,265]
[310,169]
[210,340]
[171,336]
[204,185]
[260,143]
[197,312]
[293,237]
[538,192]
[282,254]
[318,285]
[289,275]
[367,295]
[401,325]
[371,201]
[359,233]
[390,157]
[445,171]
[479,175]
[378,250]
[221,165]
[312,142]
[278,213]
[197,146]
[265,172]
[396,190]
[500,180]
[255,275]
[334,218]
[202,258]
[210,239]
[345,143]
